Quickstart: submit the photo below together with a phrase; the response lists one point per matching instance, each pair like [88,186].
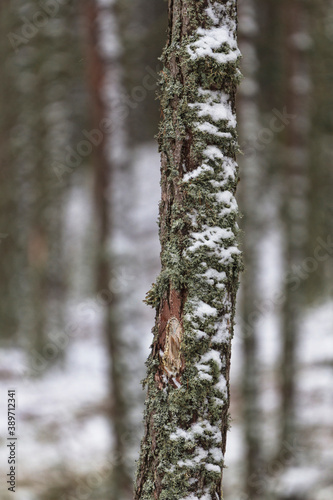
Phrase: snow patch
[198,171]
[217,106]
[212,129]
[212,40]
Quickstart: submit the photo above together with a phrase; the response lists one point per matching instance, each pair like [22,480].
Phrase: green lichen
[169,468]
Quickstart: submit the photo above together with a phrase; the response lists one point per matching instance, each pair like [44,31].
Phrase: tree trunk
[252,188]
[320,217]
[186,418]
[295,204]
[9,216]
[103,69]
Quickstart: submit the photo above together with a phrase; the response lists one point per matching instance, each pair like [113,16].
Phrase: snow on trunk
[188,370]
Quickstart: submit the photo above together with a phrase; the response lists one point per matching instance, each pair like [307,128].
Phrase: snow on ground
[62,416]
[145,214]
[311,478]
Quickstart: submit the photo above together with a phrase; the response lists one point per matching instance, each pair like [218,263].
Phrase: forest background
[79,245]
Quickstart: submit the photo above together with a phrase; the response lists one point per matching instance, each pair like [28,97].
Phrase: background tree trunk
[295,204]
[110,159]
[252,187]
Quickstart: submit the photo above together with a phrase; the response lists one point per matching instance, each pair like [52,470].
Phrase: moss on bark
[186,416]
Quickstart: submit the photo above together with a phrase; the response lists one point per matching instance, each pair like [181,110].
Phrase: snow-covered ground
[63,428]
[309,476]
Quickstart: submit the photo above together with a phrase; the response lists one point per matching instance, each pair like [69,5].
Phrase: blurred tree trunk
[320,219]
[251,189]
[8,199]
[295,208]
[143,34]
[186,418]
[110,158]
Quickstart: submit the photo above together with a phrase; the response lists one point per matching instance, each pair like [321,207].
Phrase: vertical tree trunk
[186,418]
[320,218]
[252,187]
[8,201]
[295,203]
[103,69]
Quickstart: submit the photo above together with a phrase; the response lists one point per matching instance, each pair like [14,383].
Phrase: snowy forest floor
[63,428]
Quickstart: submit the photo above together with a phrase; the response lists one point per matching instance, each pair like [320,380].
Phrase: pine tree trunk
[295,204]
[103,71]
[9,217]
[252,187]
[186,418]
[320,217]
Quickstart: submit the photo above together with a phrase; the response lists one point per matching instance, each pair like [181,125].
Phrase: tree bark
[186,417]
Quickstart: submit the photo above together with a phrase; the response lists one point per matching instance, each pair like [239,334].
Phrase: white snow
[63,420]
[213,11]
[221,385]
[199,334]
[200,455]
[213,468]
[194,497]
[216,454]
[210,237]
[298,480]
[209,128]
[109,40]
[314,384]
[212,355]
[203,310]
[203,375]
[216,106]
[227,198]
[213,275]
[213,152]
[213,39]
[223,330]
[197,172]
[198,429]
